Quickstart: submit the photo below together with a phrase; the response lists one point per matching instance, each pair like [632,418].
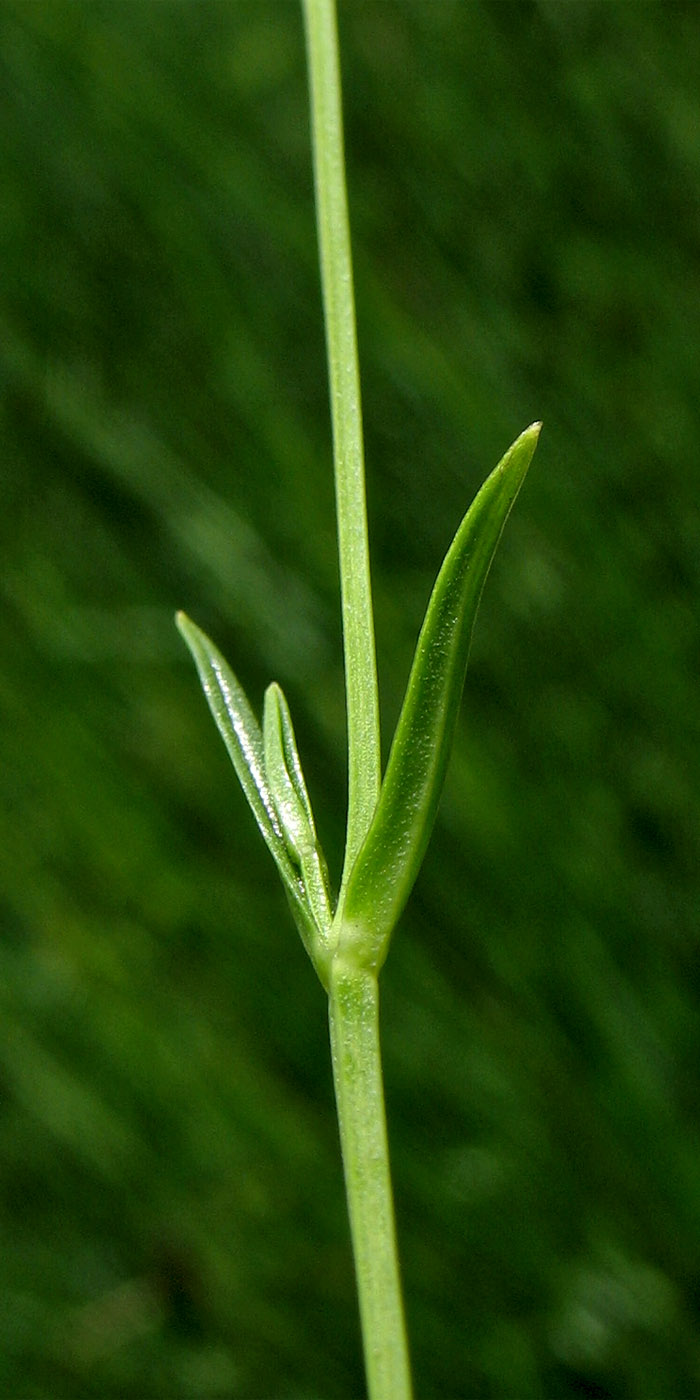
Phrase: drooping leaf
[241,734]
[390,857]
[288,788]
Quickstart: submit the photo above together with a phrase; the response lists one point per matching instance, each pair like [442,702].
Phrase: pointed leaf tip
[237,725]
[242,736]
[284,772]
[288,787]
[390,857]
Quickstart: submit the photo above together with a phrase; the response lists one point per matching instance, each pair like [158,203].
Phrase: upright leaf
[241,734]
[390,856]
[284,774]
[288,788]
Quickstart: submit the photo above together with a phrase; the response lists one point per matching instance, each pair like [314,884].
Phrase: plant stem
[357,1073]
[364,771]
[353,994]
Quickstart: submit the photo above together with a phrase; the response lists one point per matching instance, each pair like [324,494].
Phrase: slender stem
[341,341]
[353,994]
[357,1073]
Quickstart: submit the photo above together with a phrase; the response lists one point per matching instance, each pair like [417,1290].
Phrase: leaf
[284,773]
[288,788]
[390,857]
[241,734]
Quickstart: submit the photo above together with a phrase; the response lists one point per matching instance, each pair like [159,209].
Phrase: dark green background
[524,183]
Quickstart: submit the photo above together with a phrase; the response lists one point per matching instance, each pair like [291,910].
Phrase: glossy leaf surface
[284,774]
[242,736]
[390,857]
[288,788]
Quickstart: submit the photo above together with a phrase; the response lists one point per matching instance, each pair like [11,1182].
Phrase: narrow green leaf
[241,734]
[237,725]
[288,788]
[390,857]
[284,773]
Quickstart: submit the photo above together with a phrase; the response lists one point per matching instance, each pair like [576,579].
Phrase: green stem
[353,994]
[357,1073]
[364,770]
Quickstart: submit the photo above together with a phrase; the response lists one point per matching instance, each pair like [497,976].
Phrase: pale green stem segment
[364,763]
[353,996]
[357,1072]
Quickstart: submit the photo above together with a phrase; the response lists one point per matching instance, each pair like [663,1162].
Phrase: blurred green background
[524,183]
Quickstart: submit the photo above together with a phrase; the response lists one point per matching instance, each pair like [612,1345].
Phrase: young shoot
[389,818]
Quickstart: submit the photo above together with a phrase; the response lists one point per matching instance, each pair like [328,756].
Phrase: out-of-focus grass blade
[241,734]
[390,857]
